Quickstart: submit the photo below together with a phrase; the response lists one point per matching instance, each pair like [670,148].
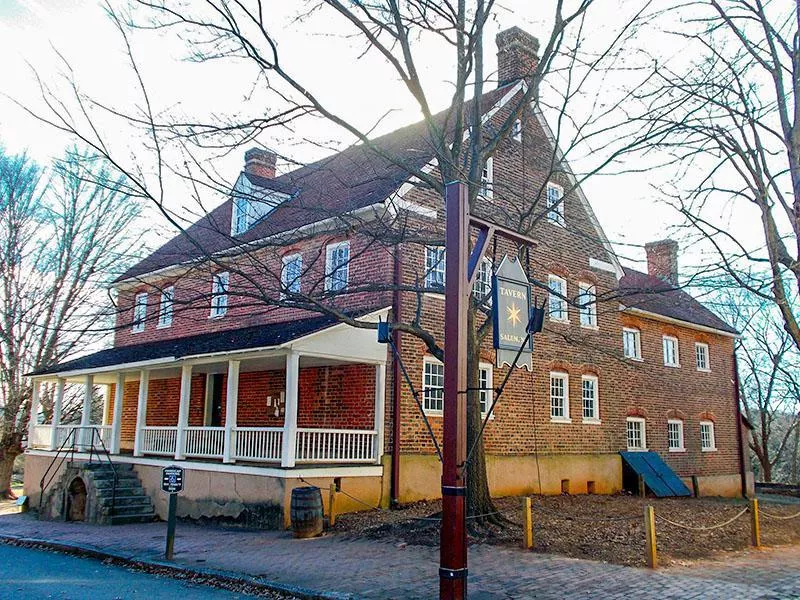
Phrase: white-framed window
[636,434]
[671,357]
[701,356]
[557,305]
[675,435]
[707,441]
[487,179]
[219,294]
[291,270]
[432,385]
[248,210]
[555,206]
[166,307]
[139,312]
[516,131]
[587,300]
[559,397]
[589,394]
[632,343]
[434,267]
[486,393]
[482,288]
[337,266]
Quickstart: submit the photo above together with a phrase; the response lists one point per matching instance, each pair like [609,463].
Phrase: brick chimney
[662,260]
[517,55]
[258,161]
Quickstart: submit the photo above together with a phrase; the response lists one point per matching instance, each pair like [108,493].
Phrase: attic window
[250,205]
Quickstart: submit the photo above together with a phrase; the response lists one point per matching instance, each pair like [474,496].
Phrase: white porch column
[85,437]
[183,412]
[58,402]
[34,418]
[141,411]
[116,425]
[231,404]
[380,408]
[290,416]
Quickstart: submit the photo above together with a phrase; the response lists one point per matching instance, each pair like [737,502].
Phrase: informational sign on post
[172,484]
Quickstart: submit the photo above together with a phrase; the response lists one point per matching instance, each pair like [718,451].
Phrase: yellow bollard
[527,524]
[755,527]
[650,537]
[332,505]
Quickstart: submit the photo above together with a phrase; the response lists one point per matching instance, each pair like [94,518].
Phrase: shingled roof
[354,178]
[645,292]
[247,338]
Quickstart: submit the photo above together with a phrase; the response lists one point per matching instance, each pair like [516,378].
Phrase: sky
[35,34]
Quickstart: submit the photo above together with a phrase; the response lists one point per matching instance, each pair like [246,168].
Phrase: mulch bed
[604,528]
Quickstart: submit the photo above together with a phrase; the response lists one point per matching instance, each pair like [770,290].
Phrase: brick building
[217,361]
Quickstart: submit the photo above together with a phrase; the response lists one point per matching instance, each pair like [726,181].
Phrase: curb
[222,576]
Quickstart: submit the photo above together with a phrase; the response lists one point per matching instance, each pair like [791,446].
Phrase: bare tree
[457,141]
[62,235]
[726,109]
[769,377]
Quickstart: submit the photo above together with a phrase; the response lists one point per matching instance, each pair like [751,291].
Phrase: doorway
[76,500]
[213,413]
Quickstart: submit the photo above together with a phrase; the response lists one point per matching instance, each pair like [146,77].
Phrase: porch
[315,400]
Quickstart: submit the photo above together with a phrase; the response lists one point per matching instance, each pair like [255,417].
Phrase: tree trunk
[795,448]
[479,501]
[7,456]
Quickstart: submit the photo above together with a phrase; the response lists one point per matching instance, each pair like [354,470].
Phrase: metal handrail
[63,452]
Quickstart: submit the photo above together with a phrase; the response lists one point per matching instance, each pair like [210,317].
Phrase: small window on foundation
[590,487]
[565,486]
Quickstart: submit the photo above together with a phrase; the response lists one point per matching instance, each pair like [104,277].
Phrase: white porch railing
[205,442]
[40,437]
[83,435]
[159,440]
[257,443]
[335,445]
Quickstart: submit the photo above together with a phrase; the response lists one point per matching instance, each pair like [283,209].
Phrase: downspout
[738,412]
[396,388]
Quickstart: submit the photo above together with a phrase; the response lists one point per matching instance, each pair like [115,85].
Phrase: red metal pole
[453,544]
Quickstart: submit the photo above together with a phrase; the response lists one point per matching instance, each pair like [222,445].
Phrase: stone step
[109,476]
[104,466]
[142,509]
[125,519]
[122,483]
[128,500]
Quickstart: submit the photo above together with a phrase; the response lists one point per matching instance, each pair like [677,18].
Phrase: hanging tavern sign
[511,308]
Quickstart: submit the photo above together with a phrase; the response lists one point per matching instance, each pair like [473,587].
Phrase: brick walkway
[369,569]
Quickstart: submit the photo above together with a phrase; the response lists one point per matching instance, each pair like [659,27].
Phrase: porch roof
[246,338]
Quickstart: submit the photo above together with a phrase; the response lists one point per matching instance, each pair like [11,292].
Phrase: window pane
[433,386]
[558,397]
[166,307]
[589,393]
[434,266]
[485,394]
[588,308]
[556,303]
[555,208]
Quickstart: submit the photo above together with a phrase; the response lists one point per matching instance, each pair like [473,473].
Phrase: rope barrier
[538,507]
[703,528]
[778,517]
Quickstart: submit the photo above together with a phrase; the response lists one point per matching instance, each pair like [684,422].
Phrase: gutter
[674,321]
[740,441]
[394,491]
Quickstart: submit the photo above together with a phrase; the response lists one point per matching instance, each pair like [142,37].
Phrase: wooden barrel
[306,512]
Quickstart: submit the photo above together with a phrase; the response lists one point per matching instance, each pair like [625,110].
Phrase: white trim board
[277,472]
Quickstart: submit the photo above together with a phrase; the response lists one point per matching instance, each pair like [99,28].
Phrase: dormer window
[251,203]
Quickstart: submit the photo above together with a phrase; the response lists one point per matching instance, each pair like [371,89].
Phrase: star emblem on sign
[513,314]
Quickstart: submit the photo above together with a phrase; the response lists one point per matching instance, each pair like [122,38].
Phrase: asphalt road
[28,574]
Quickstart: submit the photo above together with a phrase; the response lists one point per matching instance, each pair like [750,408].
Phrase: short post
[332,504]
[171,483]
[642,489]
[527,524]
[695,486]
[173,506]
[755,527]
[650,537]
